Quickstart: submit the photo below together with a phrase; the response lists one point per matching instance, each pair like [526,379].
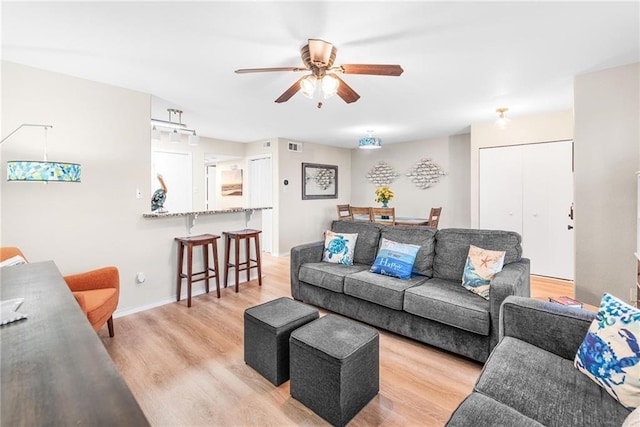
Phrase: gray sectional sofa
[431,306]
[530,380]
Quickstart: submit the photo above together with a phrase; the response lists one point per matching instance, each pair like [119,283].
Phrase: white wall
[607,152]
[547,127]
[303,221]
[99,221]
[452,192]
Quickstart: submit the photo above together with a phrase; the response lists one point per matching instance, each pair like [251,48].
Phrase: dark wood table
[54,368]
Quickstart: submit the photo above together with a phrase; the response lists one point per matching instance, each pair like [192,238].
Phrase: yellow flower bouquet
[383,195]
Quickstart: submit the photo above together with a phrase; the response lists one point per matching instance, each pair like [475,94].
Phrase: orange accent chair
[97,291]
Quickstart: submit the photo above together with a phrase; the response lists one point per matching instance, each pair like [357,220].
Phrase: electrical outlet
[138,193]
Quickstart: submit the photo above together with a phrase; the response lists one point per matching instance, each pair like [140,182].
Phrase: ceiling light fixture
[327,84]
[369,142]
[178,127]
[502,120]
[41,170]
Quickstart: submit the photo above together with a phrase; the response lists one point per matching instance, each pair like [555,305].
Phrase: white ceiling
[462,60]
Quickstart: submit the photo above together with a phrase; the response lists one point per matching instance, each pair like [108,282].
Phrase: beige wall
[607,153]
[303,221]
[99,221]
[451,192]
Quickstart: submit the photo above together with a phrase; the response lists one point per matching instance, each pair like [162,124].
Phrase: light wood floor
[185,366]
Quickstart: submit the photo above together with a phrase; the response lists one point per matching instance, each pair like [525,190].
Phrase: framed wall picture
[319,181]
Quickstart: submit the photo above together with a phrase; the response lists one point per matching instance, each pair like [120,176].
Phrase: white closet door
[501,188]
[548,193]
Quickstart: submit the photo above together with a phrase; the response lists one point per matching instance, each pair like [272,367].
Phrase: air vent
[266,144]
[295,146]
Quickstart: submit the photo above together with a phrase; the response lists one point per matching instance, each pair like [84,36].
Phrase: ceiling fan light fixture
[308,86]
[370,142]
[330,86]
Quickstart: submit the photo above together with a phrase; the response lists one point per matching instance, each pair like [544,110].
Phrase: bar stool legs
[237,237]
[203,240]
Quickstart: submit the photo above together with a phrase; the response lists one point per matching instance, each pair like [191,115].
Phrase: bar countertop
[197,213]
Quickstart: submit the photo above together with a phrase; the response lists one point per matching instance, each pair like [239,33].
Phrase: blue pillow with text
[395,259]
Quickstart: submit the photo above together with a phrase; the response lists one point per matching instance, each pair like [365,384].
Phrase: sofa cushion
[480,268]
[368,238]
[609,354]
[395,259]
[383,290]
[425,237]
[480,410]
[449,303]
[452,247]
[546,387]
[327,275]
[339,247]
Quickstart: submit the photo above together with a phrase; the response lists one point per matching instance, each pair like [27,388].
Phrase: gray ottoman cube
[267,328]
[334,367]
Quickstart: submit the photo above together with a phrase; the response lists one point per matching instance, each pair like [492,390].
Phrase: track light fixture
[175,128]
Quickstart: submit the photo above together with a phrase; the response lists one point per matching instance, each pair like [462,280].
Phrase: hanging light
[41,170]
[370,142]
[178,128]
[330,86]
[502,120]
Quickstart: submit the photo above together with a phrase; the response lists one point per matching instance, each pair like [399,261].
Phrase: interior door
[548,189]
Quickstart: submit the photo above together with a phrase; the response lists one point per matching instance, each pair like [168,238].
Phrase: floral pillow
[339,247]
[395,259]
[481,266]
[610,352]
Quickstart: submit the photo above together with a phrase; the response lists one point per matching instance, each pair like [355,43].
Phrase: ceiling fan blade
[345,92]
[263,70]
[371,69]
[290,92]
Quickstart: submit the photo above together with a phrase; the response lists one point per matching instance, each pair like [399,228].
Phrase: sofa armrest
[302,254]
[550,326]
[514,279]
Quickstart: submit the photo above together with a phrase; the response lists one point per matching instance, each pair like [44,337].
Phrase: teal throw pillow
[339,247]
[481,266]
[610,352]
[395,259]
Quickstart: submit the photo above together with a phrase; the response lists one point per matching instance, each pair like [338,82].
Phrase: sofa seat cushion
[447,302]
[546,387]
[383,290]
[480,410]
[327,275]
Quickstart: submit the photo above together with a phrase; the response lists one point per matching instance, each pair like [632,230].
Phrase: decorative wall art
[382,175]
[319,181]
[231,184]
[424,173]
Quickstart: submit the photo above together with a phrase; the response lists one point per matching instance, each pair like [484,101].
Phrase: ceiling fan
[318,57]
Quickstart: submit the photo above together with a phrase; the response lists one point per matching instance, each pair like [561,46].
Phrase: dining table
[400,220]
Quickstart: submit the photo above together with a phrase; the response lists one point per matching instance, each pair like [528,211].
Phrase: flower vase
[385,205]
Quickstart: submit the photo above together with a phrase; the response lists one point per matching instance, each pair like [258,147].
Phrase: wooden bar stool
[236,236]
[203,240]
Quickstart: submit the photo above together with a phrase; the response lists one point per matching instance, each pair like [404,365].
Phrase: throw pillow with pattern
[339,247]
[481,266]
[395,259]
[610,352]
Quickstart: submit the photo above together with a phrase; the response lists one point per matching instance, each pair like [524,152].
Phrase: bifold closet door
[529,189]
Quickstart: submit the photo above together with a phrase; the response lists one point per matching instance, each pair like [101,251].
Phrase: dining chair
[379,214]
[360,213]
[434,217]
[96,291]
[344,212]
